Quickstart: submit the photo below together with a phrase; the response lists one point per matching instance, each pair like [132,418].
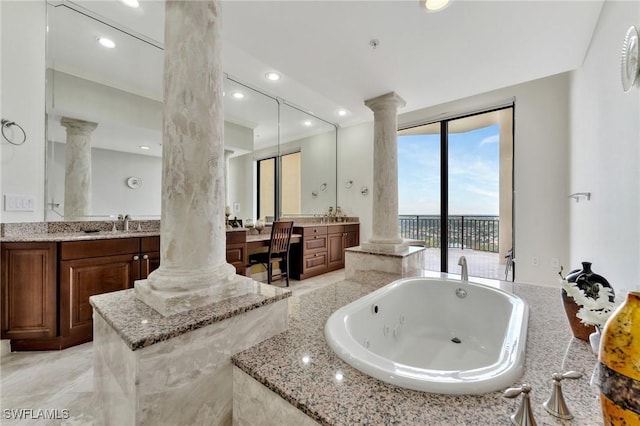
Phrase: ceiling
[323,49]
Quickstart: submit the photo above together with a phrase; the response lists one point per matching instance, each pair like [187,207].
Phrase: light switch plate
[19,203]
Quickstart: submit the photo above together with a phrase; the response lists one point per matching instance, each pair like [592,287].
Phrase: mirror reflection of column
[77,181]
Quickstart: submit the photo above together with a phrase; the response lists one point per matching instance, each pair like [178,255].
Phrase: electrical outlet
[535,261]
[555,262]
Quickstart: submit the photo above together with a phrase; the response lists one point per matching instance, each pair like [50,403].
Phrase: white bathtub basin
[418,333]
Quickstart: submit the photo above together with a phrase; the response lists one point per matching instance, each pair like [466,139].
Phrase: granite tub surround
[155,370]
[299,369]
[140,326]
[385,236]
[407,263]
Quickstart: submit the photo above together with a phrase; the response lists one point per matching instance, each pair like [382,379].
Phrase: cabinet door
[82,278]
[336,251]
[149,256]
[351,239]
[149,262]
[237,256]
[29,294]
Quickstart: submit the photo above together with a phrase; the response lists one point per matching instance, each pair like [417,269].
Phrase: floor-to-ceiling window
[279,180]
[455,184]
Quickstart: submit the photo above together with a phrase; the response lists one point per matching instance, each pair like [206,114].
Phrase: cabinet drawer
[352,228]
[335,229]
[149,244]
[315,243]
[312,230]
[314,262]
[96,248]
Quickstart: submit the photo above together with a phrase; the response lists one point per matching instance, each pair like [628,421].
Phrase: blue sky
[473,173]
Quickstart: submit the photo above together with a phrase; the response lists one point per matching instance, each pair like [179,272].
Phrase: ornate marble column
[193,270]
[385,237]
[227,154]
[77,178]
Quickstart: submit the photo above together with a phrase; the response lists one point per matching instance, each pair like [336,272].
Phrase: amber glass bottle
[620,364]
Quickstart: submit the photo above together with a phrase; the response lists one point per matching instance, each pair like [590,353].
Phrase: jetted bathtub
[434,335]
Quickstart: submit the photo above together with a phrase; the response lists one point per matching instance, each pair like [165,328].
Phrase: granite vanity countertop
[141,326]
[359,399]
[76,236]
[311,225]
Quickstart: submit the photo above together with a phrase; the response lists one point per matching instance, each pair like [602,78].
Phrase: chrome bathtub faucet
[464,275]
[524,415]
[555,405]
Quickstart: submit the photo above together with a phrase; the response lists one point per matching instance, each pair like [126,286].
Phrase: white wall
[22,84]
[604,155]
[541,141]
[355,163]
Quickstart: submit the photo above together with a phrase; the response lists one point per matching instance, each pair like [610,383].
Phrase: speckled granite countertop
[75,231]
[140,326]
[312,224]
[359,399]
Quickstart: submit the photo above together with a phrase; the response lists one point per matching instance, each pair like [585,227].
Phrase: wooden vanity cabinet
[321,249]
[236,253]
[46,286]
[29,291]
[88,268]
[340,238]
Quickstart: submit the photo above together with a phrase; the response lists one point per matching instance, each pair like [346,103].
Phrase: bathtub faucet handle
[524,415]
[555,405]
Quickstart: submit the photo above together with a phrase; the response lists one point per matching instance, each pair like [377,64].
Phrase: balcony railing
[477,232]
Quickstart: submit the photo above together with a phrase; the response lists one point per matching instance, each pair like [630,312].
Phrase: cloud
[490,139]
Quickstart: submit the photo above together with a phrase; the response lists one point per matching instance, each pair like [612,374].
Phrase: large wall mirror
[118,91]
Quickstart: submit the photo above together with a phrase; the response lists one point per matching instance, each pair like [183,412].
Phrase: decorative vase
[620,364]
[585,279]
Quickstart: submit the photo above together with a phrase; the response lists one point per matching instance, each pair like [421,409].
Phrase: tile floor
[49,382]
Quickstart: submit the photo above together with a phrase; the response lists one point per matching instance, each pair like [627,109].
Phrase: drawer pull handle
[145,257]
[136,257]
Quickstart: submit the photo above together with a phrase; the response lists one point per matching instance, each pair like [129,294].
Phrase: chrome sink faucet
[464,275]
[125,221]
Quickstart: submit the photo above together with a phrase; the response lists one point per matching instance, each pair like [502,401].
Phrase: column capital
[74,125]
[386,101]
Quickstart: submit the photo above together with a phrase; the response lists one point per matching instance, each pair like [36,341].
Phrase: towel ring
[6,123]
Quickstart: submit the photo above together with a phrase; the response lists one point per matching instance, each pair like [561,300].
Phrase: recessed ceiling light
[342,112]
[307,123]
[131,3]
[144,147]
[108,43]
[435,5]
[272,76]
[238,95]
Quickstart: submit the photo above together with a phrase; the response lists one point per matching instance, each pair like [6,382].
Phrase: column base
[171,302]
[380,247]
[359,260]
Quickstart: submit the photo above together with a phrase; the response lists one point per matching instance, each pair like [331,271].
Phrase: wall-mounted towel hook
[577,195]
